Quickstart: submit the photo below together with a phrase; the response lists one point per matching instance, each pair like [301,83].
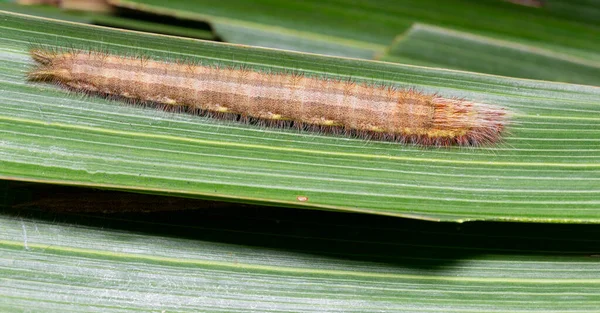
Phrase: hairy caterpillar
[294,100]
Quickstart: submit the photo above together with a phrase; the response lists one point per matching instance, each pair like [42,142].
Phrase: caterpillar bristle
[335,106]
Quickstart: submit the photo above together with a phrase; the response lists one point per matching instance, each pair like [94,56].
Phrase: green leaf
[546,169]
[259,259]
[442,47]
[355,28]
[576,10]
[249,24]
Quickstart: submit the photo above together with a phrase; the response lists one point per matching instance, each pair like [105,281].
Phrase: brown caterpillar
[295,100]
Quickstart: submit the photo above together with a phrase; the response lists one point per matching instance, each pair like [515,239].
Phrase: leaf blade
[56,137]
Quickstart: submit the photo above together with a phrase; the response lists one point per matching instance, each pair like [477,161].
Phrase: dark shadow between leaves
[163,19]
[398,242]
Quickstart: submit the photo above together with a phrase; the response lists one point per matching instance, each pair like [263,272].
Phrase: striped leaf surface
[258,259]
[546,169]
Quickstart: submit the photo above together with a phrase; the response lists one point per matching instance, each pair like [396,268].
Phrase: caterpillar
[379,112]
